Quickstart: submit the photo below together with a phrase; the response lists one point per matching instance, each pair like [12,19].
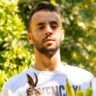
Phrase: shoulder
[17,81]
[77,75]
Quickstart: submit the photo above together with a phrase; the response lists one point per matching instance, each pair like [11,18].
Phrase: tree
[78,48]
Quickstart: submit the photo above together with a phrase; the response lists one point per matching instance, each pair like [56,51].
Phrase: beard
[48,49]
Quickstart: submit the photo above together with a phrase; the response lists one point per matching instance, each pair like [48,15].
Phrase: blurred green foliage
[78,48]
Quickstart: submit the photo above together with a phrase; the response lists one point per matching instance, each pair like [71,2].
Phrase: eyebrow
[54,22]
[41,23]
[51,22]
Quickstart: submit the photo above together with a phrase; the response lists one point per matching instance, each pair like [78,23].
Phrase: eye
[53,26]
[41,27]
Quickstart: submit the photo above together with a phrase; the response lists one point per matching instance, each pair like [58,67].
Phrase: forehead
[45,16]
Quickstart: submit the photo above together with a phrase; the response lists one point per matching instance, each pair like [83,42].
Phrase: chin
[51,51]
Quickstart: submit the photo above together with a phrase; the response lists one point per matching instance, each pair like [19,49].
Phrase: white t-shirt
[49,83]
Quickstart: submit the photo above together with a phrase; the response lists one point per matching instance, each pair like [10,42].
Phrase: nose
[48,30]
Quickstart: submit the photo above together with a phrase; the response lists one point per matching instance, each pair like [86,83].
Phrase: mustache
[49,38]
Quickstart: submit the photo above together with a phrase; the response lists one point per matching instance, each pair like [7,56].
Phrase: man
[48,75]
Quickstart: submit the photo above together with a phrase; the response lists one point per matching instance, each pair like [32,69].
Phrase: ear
[30,80]
[29,36]
[62,35]
[36,80]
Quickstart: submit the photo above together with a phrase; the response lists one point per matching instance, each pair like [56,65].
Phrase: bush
[78,48]
[14,50]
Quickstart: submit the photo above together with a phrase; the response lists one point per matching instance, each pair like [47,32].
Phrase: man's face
[45,32]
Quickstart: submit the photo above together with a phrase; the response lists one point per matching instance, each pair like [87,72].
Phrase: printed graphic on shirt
[32,90]
[45,91]
[55,90]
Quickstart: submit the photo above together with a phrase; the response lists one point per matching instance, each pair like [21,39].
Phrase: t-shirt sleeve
[94,86]
[4,90]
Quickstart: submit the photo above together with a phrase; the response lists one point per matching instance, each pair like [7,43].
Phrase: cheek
[37,37]
[58,35]
[38,33]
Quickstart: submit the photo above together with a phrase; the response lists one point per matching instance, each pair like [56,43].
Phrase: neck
[43,62]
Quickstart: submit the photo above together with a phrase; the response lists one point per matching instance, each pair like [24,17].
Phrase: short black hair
[47,6]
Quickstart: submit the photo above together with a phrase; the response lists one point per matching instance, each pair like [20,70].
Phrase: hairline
[37,8]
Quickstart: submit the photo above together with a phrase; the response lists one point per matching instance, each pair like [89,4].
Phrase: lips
[48,39]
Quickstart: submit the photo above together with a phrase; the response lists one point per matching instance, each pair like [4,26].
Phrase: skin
[46,35]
